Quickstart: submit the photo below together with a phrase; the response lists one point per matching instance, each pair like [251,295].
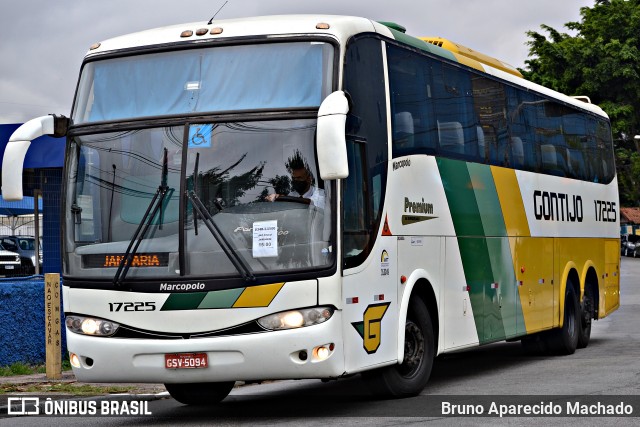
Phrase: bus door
[371,308]
[370,267]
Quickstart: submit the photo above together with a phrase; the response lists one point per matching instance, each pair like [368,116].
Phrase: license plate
[185,361]
[8,267]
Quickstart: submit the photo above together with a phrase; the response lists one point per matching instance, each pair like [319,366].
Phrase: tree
[628,167]
[602,61]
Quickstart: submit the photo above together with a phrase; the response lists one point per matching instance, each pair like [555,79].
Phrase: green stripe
[477,271]
[507,308]
[461,197]
[221,299]
[260,296]
[484,248]
[474,253]
[183,301]
[487,200]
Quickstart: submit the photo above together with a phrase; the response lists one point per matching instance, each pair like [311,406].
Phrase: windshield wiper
[195,188]
[147,219]
[238,262]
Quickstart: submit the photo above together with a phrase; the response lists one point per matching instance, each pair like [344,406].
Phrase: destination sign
[114,260]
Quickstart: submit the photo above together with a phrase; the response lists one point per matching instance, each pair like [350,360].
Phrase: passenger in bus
[302,182]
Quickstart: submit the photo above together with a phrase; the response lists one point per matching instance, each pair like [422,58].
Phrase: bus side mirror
[331,143]
[16,150]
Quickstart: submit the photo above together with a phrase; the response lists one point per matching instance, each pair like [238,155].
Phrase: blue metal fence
[22,321]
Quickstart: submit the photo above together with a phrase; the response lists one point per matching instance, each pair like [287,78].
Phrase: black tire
[410,377]
[564,340]
[587,310]
[199,393]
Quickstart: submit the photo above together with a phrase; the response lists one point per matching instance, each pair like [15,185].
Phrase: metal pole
[36,225]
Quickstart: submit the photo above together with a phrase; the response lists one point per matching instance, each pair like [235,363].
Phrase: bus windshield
[255,182]
[227,78]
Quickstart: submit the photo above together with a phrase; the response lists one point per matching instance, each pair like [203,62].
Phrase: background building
[42,175]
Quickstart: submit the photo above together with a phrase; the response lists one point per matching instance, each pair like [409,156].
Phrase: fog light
[74,360]
[322,352]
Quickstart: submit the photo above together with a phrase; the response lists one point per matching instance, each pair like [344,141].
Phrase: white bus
[317,196]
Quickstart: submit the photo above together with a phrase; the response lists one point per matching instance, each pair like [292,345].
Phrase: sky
[42,42]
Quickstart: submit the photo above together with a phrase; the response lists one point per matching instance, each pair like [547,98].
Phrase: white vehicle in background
[24,246]
[630,244]
[9,263]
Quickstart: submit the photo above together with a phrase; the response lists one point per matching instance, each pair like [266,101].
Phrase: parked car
[630,245]
[10,263]
[25,246]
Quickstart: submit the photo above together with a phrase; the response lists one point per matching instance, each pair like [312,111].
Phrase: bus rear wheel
[199,393]
[564,340]
[586,315]
[411,376]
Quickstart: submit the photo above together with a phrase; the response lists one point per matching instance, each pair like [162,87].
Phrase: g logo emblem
[370,328]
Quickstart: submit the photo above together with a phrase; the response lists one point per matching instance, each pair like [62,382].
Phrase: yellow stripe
[515,217]
[462,51]
[258,296]
[468,61]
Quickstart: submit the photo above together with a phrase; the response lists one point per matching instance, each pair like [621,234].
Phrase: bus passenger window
[451,138]
[403,130]
[517,153]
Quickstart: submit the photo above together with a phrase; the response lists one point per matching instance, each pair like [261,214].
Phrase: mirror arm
[60,125]
[17,147]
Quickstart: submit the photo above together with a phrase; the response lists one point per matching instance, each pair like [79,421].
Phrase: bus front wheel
[199,393]
[411,376]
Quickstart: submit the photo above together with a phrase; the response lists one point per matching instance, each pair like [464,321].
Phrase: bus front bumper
[287,354]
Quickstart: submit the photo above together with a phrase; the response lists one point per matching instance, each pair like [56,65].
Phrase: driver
[302,182]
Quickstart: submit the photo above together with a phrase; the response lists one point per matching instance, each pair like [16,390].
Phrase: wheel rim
[413,350]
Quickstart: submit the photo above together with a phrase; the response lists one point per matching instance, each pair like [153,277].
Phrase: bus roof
[340,28]
[463,53]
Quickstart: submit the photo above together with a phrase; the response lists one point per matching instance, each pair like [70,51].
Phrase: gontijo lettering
[557,206]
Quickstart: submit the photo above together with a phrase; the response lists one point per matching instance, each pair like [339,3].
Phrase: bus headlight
[91,326]
[296,318]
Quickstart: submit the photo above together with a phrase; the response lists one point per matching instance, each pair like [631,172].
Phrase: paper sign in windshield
[265,239]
